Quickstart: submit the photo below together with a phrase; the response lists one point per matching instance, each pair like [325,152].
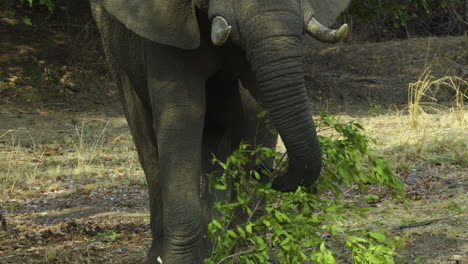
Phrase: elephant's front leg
[178,101]
[179,145]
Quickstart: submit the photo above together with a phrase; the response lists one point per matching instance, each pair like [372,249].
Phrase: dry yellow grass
[424,131]
[423,93]
[90,148]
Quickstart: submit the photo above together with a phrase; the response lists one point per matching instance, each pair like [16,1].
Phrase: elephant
[178,65]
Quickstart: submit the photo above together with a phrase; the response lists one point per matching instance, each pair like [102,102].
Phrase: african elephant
[178,64]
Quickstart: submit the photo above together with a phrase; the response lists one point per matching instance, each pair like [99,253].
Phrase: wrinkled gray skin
[182,100]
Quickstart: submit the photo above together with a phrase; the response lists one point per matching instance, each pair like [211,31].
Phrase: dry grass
[60,193]
[86,153]
[425,132]
[90,148]
[423,94]
[439,138]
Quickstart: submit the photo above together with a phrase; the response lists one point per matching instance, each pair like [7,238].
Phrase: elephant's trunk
[276,62]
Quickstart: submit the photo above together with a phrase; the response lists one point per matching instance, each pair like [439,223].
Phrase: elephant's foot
[155,252]
[174,253]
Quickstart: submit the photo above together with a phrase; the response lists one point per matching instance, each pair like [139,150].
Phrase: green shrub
[13,6]
[304,225]
[384,19]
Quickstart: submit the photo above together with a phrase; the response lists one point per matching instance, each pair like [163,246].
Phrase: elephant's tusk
[160,260]
[220,31]
[322,33]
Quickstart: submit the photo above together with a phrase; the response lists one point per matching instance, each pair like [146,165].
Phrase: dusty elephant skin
[177,64]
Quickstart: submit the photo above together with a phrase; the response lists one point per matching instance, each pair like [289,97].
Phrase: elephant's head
[270,32]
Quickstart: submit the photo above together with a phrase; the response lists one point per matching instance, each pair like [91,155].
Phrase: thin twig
[440,178]
[413,225]
[248,220]
[418,224]
[254,210]
[235,255]
[278,169]
[350,189]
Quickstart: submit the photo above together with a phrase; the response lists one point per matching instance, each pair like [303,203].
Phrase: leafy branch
[301,225]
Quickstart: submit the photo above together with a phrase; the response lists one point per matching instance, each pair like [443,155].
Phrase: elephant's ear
[327,11]
[169,22]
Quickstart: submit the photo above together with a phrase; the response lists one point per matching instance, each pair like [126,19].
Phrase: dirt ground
[73,190]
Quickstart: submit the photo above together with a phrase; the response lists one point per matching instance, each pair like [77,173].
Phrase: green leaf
[377,236]
[286,247]
[262,114]
[217,224]
[241,231]
[220,187]
[260,242]
[256,175]
[232,234]
[285,243]
[356,239]
[248,228]
[27,21]
[443,4]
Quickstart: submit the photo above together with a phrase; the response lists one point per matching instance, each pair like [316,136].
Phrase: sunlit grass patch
[91,149]
[438,141]
[425,131]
